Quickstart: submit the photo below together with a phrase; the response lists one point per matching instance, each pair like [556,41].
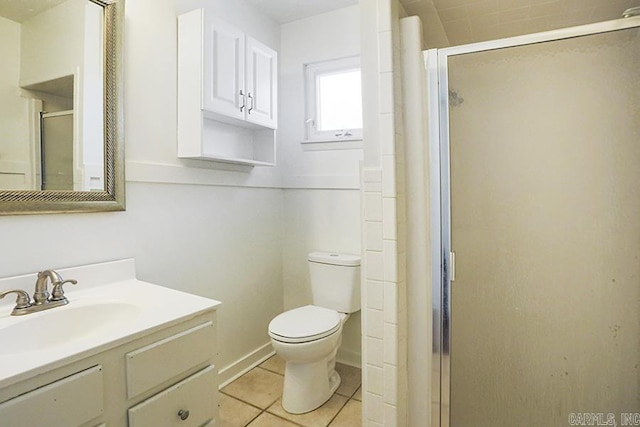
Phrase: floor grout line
[262,411]
[338,413]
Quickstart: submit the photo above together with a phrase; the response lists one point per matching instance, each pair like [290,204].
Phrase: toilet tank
[335,281]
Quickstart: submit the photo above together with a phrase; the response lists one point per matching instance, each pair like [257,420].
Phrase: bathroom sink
[63,325]
[109,307]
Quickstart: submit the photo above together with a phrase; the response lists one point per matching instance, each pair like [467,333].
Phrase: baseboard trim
[243,365]
[351,358]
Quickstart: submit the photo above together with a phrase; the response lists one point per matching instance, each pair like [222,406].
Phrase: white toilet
[308,337]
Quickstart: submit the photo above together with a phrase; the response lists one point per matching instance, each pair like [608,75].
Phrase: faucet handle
[22,301]
[57,293]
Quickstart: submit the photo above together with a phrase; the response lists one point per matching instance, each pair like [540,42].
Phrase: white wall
[220,242]
[217,241]
[61,42]
[322,37]
[53,43]
[152,90]
[321,199]
[320,220]
[14,150]
[210,229]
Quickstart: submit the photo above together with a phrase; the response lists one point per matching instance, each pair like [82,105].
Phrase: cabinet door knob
[183,414]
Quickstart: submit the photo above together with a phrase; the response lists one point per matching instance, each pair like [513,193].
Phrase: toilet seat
[304,324]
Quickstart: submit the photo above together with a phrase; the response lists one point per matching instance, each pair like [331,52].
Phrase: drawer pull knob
[183,414]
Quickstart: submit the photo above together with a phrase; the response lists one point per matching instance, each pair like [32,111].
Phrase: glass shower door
[545,223]
[56,150]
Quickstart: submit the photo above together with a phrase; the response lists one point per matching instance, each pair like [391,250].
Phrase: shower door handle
[452,266]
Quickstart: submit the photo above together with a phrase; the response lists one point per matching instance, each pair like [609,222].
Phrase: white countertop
[153,308]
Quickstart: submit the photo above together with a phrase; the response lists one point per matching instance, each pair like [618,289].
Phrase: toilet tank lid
[335,259]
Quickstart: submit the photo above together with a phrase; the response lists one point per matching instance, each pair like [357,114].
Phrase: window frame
[312,71]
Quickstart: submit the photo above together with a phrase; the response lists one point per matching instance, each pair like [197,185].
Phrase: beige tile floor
[253,400]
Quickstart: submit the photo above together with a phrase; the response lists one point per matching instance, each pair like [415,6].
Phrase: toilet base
[307,386]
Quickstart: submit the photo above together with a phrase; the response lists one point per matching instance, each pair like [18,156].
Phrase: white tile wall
[390,384]
[375,379]
[374,294]
[375,323]
[386,92]
[384,326]
[383,8]
[385,54]
[390,415]
[374,265]
[374,351]
[371,175]
[372,206]
[391,303]
[387,131]
[390,258]
[390,352]
[388,176]
[374,407]
[389,222]
[373,235]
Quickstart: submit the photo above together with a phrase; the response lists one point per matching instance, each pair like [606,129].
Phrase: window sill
[332,144]
[330,140]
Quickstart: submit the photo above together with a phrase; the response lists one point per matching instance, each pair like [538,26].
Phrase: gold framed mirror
[102,187]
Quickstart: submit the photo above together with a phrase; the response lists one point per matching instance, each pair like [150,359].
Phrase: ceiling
[283,11]
[469,21]
[455,22]
[21,10]
[445,22]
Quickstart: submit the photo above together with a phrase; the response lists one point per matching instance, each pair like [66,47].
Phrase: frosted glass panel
[545,201]
[339,101]
[57,153]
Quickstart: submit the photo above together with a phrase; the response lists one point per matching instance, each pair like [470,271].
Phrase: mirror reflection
[51,95]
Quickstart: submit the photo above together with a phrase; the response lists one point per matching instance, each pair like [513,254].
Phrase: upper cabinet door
[224,69]
[262,84]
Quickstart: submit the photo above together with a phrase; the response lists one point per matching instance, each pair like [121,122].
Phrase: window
[334,100]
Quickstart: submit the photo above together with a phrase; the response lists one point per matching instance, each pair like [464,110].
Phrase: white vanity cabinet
[227,92]
[164,378]
[71,401]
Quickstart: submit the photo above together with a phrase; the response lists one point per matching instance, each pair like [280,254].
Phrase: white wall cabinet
[224,65]
[261,82]
[227,92]
[166,378]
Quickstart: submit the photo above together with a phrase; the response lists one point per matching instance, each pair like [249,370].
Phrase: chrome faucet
[42,300]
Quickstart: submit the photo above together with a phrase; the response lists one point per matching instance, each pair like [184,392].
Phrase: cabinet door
[224,68]
[262,84]
[69,402]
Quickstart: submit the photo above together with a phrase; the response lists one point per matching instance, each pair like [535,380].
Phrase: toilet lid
[308,323]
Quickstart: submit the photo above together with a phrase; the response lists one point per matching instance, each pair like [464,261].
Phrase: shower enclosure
[537,285]
[56,151]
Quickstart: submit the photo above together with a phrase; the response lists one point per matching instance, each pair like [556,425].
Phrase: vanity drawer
[69,402]
[163,360]
[196,394]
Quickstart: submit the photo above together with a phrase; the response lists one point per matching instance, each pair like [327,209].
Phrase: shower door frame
[443,258]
